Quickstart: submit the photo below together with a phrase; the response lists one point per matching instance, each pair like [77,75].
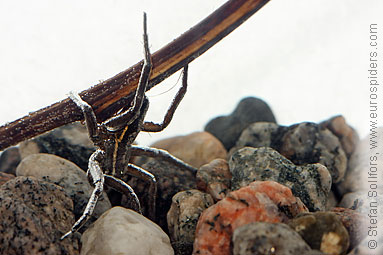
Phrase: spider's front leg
[95,172]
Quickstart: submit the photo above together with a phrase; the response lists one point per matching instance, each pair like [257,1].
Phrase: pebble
[70,142]
[122,231]
[33,216]
[51,168]
[323,231]
[347,135]
[303,143]
[311,183]
[183,216]
[228,128]
[214,178]
[268,238]
[9,159]
[355,223]
[264,201]
[202,147]
[170,180]
[5,177]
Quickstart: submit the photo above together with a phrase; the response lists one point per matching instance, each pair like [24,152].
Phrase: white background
[307,58]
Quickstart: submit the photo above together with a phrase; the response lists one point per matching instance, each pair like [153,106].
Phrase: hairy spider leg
[157,127]
[97,176]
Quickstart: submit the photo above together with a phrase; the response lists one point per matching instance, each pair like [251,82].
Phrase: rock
[197,149]
[264,201]
[214,178]
[183,216]
[323,231]
[170,180]
[268,238]
[311,183]
[228,128]
[70,142]
[33,216]
[347,136]
[5,177]
[9,160]
[303,143]
[355,223]
[332,201]
[51,168]
[123,231]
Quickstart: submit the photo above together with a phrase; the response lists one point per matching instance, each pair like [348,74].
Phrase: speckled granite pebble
[70,142]
[268,238]
[303,143]
[264,201]
[64,173]
[33,216]
[121,231]
[214,178]
[228,128]
[322,231]
[311,183]
[202,147]
[183,216]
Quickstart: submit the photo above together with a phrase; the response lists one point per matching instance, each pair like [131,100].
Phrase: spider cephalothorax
[114,138]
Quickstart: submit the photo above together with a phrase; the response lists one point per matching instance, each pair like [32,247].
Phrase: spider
[114,138]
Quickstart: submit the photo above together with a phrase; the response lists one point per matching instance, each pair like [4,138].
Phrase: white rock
[123,231]
[57,170]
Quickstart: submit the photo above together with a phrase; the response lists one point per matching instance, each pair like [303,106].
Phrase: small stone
[5,177]
[183,216]
[196,149]
[347,136]
[268,238]
[33,216]
[355,223]
[264,201]
[363,202]
[323,231]
[122,231]
[51,168]
[70,142]
[214,178]
[9,160]
[303,143]
[228,128]
[170,180]
[311,183]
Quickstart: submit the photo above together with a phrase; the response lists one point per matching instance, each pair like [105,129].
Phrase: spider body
[109,164]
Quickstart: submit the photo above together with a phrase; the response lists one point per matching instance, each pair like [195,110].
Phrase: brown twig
[111,95]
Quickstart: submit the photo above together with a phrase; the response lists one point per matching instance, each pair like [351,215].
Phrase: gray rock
[304,143]
[9,160]
[311,183]
[70,142]
[228,128]
[323,231]
[51,168]
[214,178]
[121,231]
[33,216]
[183,216]
[268,238]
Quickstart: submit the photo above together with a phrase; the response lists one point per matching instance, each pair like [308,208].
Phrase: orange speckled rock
[264,201]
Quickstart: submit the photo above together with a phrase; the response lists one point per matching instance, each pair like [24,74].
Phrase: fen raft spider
[114,138]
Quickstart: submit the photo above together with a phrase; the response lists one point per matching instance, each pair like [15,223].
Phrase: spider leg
[154,153]
[89,116]
[98,181]
[128,116]
[155,127]
[142,174]
[123,188]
